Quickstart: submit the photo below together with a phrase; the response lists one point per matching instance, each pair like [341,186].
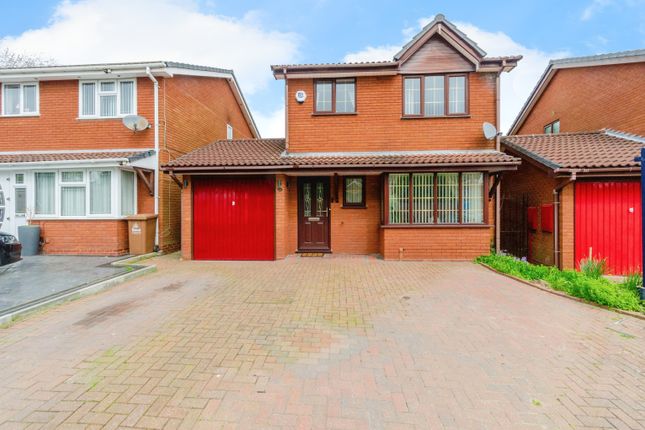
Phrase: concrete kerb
[565,295]
[82,290]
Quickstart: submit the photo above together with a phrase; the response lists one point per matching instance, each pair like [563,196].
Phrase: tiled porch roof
[62,156]
[270,153]
[604,149]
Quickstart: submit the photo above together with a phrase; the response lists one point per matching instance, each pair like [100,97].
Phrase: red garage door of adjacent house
[608,222]
[233,219]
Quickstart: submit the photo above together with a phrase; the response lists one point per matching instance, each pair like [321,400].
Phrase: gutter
[156,121]
[556,218]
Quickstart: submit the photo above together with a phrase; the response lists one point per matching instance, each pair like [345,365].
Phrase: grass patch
[591,288]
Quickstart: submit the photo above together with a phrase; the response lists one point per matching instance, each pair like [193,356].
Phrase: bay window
[128,202]
[107,98]
[72,194]
[45,191]
[435,95]
[435,198]
[100,192]
[19,99]
[83,193]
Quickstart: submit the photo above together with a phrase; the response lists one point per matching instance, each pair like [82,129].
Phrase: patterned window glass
[423,198]
[307,199]
[448,198]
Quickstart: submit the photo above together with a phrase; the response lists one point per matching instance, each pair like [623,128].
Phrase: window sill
[334,113]
[80,218]
[101,118]
[22,115]
[435,117]
[412,226]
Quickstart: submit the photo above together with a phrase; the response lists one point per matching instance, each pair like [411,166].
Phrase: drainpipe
[556,218]
[498,189]
[286,110]
[156,121]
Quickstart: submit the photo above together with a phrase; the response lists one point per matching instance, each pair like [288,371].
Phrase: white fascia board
[62,164]
[77,151]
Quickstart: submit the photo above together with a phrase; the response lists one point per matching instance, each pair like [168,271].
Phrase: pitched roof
[439,19]
[74,156]
[439,25]
[635,56]
[604,149]
[271,154]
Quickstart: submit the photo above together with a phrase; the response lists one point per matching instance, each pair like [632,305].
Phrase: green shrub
[593,288]
[593,268]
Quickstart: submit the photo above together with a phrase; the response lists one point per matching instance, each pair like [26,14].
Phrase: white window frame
[22,101]
[97,98]
[59,190]
[115,192]
[135,196]
[229,132]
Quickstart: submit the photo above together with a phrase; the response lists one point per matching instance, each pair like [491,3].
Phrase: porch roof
[45,157]
[270,154]
[581,152]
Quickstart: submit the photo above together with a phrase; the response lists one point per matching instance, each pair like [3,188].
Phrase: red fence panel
[608,224]
[233,219]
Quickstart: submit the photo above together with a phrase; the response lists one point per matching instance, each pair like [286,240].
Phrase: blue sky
[250,35]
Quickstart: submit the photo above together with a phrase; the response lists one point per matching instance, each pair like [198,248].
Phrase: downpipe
[156,131]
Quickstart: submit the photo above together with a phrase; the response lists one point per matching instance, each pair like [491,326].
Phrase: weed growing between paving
[599,290]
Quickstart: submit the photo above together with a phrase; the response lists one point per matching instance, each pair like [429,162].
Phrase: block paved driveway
[339,343]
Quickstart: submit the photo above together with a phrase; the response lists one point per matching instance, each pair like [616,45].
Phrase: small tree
[11,59]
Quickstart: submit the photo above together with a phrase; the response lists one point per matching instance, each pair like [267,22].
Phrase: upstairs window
[229,131]
[435,95]
[107,99]
[335,96]
[552,128]
[19,99]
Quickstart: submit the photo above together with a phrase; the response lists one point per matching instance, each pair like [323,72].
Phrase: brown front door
[313,214]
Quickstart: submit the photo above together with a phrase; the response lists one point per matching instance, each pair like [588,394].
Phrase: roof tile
[587,150]
[271,153]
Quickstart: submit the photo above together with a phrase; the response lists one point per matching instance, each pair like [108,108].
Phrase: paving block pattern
[323,343]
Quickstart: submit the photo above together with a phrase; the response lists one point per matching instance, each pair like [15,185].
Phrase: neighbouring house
[379,158]
[69,164]
[577,193]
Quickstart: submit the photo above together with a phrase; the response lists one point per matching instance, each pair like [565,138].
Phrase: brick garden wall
[591,98]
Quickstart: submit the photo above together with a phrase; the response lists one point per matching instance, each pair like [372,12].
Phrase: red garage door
[608,222]
[233,219]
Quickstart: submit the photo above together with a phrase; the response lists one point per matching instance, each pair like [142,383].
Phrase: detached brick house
[68,162]
[379,158]
[577,135]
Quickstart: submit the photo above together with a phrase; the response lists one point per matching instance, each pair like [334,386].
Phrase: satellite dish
[489,131]
[135,122]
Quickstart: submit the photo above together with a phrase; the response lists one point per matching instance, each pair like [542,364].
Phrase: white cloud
[372,53]
[271,125]
[593,8]
[515,86]
[89,31]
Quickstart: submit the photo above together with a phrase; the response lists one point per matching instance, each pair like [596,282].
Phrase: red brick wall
[195,113]
[58,126]
[354,230]
[187,219]
[378,126]
[539,186]
[435,243]
[84,237]
[591,98]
